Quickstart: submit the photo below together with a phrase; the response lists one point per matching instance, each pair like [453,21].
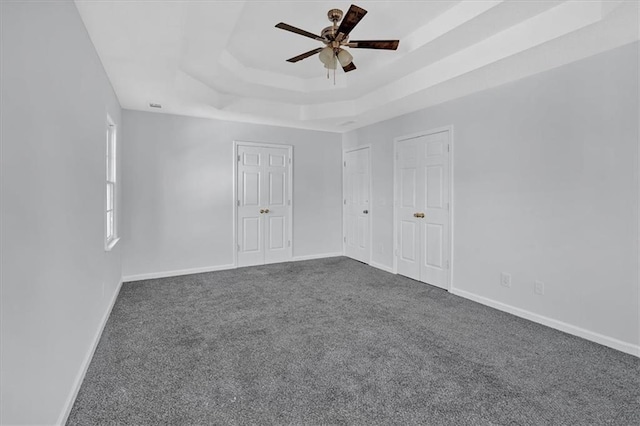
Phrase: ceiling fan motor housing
[334,15]
[328,34]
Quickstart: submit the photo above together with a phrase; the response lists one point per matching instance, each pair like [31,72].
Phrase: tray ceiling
[225,59]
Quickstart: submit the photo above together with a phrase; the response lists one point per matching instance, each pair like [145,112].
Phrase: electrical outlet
[538,287]
[505,279]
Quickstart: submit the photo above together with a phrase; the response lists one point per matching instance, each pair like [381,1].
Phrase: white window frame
[110,216]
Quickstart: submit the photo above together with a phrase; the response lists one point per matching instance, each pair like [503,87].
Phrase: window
[111,237]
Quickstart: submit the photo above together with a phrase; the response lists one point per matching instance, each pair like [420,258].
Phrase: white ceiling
[225,59]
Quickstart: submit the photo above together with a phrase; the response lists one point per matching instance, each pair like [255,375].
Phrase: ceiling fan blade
[374,44]
[293,29]
[350,20]
[349,67]
[304,55]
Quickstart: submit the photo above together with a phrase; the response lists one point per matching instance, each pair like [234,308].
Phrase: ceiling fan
[336,38]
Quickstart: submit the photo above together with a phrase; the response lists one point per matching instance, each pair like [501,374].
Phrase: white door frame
[289,148]
[344,191]
[396,191]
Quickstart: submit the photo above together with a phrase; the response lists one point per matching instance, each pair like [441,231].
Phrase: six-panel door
[356,201]
[263,205]
[422,225]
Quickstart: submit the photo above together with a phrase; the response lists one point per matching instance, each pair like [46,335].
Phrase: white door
[422,215]
[356,201]
[264,205]
[408,224]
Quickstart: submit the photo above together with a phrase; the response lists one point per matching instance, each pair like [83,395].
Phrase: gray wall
[57,280]
[545,188]
[178,190]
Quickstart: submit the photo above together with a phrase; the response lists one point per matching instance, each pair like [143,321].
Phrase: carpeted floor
[334,341]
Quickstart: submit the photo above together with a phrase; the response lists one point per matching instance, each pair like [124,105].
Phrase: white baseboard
[625,347]
[382,267]
[180,272]
[316,256]
[176,273]
[71,399]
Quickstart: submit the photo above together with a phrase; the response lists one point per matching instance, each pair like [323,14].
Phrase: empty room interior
[288,212]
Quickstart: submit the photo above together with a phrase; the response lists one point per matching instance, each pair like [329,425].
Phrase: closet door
[356,204]
[422,212]
[263,205]
[250,222]
[409,178]
[277,241]
[434,258]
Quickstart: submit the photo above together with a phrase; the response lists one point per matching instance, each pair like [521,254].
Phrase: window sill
[111,244]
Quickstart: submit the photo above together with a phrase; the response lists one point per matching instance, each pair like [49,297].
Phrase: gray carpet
[334,341]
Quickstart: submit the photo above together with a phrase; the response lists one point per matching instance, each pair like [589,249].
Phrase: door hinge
[448,148]
[345,163]
[289,244]
[289,202]
[238,203]
[238,157]
[238,247]
[447,263]
[289,160]
[344,239]
[345,202]
[447,206]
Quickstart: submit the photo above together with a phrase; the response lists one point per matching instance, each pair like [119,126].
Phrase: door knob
[420,215]
[365,211]
[261,211]
[266,210]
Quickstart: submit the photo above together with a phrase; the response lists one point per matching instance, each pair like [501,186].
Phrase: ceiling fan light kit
[327,57]
[344,57]
[336,38]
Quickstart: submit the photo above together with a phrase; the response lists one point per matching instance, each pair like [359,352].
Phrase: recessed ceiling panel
[226,59]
